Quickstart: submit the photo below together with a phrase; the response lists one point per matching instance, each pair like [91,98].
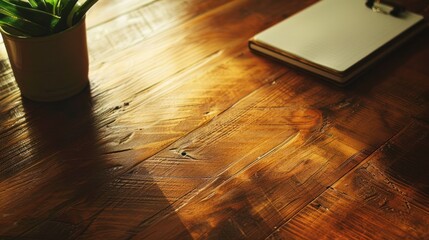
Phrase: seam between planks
[369,155]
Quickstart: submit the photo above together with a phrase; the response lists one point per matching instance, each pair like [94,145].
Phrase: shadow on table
[78,191]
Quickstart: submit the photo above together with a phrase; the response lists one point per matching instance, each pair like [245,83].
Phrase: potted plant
[46,44]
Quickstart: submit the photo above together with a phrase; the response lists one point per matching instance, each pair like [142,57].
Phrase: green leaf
[20,3]
[59,6]
[22,26]
[65,11]
[82,10]
[44,16]
[27,13]
[55,6]
[39,4]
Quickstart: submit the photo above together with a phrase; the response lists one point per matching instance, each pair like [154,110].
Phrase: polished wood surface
[185,134]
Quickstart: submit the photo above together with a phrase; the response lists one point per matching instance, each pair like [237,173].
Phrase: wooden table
[183,133]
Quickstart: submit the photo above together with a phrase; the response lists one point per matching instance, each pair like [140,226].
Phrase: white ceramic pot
[50,68]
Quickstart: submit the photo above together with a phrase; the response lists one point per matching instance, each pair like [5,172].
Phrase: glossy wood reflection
[184,134]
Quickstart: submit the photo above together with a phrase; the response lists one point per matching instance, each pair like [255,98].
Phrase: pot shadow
[71,177]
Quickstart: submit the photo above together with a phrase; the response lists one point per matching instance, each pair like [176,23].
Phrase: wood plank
[275,188]
[136,26]
[103,11]
[107,10]
[385,197]
[109,133]
[286,124]
[109,79]
[145,137]
[57,193]
[254,202]
[116,35]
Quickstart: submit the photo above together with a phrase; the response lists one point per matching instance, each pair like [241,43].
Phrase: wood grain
[385,197]
[184,134]
[108,154]
[307,150]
